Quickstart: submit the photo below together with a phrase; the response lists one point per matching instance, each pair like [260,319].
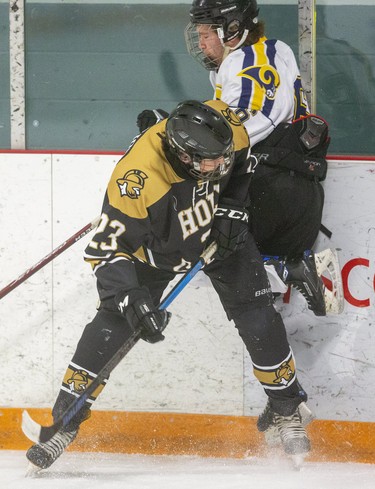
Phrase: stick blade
[30,427]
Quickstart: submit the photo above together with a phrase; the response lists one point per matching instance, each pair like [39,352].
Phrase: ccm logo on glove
[229,228]
[232,214]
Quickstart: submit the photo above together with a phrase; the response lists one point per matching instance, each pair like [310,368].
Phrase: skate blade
[32,470]
[297,461]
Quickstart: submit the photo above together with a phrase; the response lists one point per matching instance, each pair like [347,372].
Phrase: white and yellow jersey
[262,85]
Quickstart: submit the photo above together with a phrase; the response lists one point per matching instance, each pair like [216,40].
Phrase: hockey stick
[57,251]
[41,434]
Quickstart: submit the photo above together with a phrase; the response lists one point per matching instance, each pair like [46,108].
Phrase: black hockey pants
[285,211]
[242,285]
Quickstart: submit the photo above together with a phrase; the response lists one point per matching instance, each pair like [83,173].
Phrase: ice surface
[119,471]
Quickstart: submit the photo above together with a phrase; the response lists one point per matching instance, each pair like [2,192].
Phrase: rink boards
[201,368]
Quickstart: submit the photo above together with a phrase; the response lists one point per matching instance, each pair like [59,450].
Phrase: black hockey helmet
[199,142]
[233,16]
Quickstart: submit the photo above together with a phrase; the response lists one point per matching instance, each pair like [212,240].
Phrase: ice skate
[287,431]
[302,274]
[306,276]
[292,434]
[43,455]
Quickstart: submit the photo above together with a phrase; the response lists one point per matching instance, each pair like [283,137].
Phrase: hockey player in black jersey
[181,185]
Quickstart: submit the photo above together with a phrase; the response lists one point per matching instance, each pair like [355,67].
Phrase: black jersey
[153,215]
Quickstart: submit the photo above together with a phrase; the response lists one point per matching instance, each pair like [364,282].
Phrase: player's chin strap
[328,261]
[228,49]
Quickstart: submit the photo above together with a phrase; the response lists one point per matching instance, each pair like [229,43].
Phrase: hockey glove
[313,134]
[230,228]
[148,118]
[137,307]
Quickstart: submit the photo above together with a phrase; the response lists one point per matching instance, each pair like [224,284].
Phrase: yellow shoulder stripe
[240,135]
[142,177]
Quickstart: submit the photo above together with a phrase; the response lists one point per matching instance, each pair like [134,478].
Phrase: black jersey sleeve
[237,188]
[113,249]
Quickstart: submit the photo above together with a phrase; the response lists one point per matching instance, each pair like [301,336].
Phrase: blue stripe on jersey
[271,54]
[247,84]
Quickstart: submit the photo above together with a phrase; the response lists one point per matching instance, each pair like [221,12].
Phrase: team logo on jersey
[132,183]
[78,381]
[231,117]
[266,77]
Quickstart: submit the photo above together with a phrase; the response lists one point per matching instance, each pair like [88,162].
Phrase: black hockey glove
[148,118]
[139,310]
[230,228]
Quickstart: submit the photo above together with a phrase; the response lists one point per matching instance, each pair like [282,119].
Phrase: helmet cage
[193,46]
[192,162]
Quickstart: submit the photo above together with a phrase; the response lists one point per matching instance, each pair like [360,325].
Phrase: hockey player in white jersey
[257,76]
[259,79]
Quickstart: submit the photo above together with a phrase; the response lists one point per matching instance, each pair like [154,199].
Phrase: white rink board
[201,367]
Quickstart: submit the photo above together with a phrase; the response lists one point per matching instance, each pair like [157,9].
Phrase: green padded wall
[90,69]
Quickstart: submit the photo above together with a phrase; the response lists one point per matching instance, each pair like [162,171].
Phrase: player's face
[212,169]
[211,165]
[206,164]
[209,43]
